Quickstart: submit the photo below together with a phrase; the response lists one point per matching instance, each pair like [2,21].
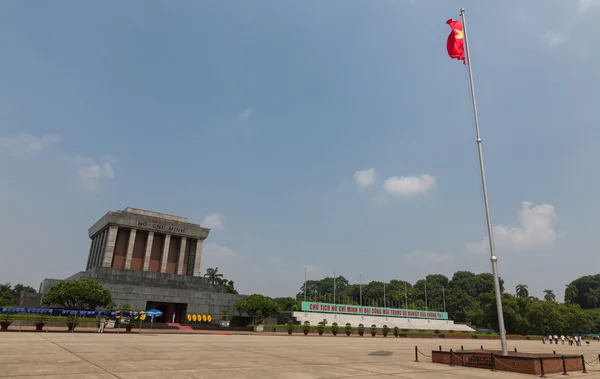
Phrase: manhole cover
[381,353]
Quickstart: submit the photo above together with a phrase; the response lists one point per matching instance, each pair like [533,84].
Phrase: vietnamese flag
[456,41]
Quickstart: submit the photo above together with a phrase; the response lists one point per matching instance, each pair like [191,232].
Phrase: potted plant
[306,327]
[6,321]
[224,314]
[72,322]
[373,330]
[334,328]
[290,327]
[396,331]
[321,328]
[258,319]
[127,320]
[385,331]
[40,324]
[348,329]
[361,329]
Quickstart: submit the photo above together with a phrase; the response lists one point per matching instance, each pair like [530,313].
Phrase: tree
[229,288]
[571,293]
[81,294]
[522,291]
[213,275]
[6,295]
[10,296]
[549,295]
[286,304]
[256,304]
[583,286]
[593,297]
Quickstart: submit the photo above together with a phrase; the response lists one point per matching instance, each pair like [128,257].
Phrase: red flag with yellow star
[456,42]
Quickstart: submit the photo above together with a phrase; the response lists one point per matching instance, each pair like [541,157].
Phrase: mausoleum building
[139,240]
[152,260]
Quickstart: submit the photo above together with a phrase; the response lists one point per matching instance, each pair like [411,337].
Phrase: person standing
[562,339]
[101,326]
[550,339]
[556,339]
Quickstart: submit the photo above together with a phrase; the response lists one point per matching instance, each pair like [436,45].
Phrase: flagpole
[360,289]
[304,283]
[493,258]
[444,298]
[334,287]
[426,297]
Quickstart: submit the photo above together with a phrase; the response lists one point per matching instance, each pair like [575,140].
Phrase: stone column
[198,258]
[181,256]
[91,255]
[130,248]
[165,254]
[96,254]
[148,250]
[110,246]
[100,245]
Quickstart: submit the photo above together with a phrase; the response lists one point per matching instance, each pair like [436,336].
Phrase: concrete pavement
[149,356]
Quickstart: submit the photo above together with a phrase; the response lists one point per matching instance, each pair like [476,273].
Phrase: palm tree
[213,275]
[549,295]
[522,291]
[593,297]
[571,293]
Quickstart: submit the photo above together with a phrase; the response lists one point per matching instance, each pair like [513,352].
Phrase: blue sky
[333,135]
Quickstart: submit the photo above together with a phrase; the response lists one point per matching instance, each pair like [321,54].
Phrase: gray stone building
[152,260]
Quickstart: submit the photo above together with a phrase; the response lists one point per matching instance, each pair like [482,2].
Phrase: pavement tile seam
[83,359]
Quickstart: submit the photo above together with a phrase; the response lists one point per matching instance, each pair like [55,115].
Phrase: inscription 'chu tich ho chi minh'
[160,226]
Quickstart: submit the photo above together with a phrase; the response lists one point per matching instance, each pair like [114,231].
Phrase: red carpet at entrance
[180,327]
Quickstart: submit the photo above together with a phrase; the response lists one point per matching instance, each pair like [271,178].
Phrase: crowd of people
[574,340]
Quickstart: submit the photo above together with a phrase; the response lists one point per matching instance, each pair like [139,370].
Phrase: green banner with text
[308,306]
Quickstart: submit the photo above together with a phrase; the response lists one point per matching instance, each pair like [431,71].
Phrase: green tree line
[469,298]
[9,295]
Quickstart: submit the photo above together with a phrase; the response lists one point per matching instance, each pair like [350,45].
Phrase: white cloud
[409,185]
[554,39]
[92,174]
[364,178]
[213,221]
[245,115]
[216,254]
[536,230]
[25,143]
[424,258]
[586,5]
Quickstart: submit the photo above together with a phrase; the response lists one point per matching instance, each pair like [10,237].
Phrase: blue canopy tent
[153,313]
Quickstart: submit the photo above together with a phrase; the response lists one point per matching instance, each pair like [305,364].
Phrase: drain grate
[381,353]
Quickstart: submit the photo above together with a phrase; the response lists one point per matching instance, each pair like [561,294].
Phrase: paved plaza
[132,356]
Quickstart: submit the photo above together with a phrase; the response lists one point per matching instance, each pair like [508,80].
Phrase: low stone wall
[523,363]
[136,288]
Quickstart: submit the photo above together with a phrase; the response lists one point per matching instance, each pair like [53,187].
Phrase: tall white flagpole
[360,289]
[304,283]
[426,297]
[405,295]
[384,303]
[444,298]
[334,288]
[494,259]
